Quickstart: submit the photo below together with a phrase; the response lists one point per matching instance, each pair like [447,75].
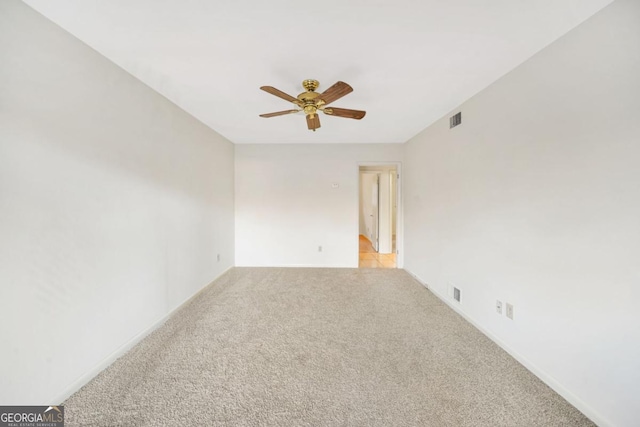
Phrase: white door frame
[399,212]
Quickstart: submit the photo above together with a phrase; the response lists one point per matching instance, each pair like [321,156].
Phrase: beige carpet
[317,347]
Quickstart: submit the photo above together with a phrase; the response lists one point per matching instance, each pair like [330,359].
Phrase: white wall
[535,200]
[113,206]
[286,206]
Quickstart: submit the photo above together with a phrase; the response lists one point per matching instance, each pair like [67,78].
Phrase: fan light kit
[310,102]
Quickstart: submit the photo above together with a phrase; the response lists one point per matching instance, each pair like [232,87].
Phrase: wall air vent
[455,120]
[456,294]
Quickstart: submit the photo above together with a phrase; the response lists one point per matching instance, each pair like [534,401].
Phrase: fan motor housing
[308,96]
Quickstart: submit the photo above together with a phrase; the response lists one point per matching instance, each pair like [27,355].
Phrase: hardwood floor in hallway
[369,258]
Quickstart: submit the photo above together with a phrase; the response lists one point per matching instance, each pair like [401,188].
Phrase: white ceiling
[409,61]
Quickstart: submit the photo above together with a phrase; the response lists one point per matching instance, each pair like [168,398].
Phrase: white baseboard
[542,375]
[120,351]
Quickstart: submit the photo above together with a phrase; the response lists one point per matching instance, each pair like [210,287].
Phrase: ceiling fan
[310,102]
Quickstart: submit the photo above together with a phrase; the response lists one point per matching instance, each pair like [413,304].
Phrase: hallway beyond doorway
[369,258]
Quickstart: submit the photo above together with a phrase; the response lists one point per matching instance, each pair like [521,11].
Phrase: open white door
[375,218]
[385,209]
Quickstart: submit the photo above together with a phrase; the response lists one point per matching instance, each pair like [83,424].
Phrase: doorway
[378,216]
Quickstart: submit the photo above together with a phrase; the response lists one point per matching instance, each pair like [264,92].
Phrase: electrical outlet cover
[509,311]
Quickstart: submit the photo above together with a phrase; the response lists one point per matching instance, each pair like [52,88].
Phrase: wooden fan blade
[345,112]
[279,113]
[279,94]
[313,123]
[335,92]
